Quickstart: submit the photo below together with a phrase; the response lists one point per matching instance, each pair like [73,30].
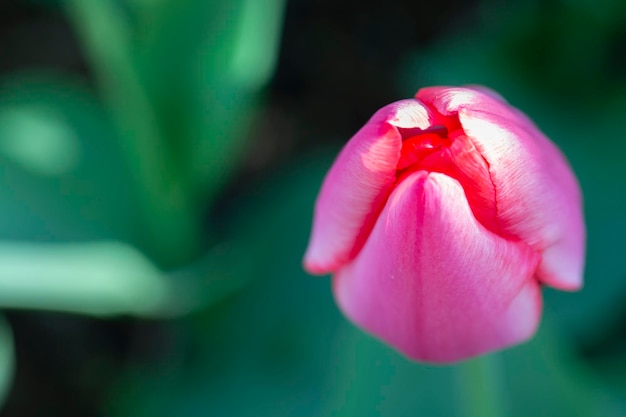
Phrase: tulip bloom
[441,219]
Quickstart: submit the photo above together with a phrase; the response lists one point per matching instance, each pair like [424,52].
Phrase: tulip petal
[537,197]
[357,186]
[434,282]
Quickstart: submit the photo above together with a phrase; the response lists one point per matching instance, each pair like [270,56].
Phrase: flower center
[444,147]
[417,144]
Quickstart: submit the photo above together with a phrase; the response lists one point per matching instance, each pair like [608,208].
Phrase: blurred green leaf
[204,64]
[169,217]
[181,82]
[228,78]
[89,278]
[256,41]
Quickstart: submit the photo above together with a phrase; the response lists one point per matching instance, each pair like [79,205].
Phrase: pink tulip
[441,219]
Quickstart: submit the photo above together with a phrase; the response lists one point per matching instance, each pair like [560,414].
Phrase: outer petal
[357,186]
[435,283]
[537,196]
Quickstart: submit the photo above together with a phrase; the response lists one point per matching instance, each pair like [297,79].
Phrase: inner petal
[444,147]
[421,144]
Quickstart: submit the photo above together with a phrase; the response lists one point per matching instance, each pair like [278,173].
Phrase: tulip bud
[440,220]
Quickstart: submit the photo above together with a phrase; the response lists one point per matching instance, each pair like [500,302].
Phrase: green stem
[481,388]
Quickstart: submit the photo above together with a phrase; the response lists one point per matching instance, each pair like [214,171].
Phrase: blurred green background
[159,160]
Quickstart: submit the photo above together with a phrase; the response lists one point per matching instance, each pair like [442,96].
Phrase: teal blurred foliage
[170,182]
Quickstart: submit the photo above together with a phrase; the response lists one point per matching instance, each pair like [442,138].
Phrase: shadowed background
[158,166]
